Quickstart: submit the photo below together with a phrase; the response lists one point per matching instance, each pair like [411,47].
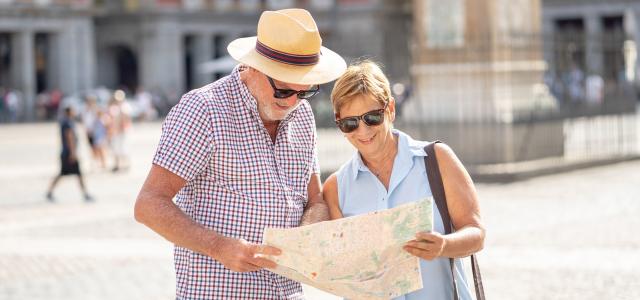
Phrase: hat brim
[330,66]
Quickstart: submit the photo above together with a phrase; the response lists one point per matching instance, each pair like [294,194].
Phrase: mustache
[285,104]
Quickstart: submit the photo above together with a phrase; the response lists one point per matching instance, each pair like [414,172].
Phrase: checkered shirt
[238,182]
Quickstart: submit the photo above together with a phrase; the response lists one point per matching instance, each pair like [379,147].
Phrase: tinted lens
[279,93]
[307,94]
[373,118]
[347,125]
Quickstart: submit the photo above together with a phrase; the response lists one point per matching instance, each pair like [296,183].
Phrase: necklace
[378,173]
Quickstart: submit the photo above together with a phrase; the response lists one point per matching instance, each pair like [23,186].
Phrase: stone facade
[600,27]
[46,45]
[159,44]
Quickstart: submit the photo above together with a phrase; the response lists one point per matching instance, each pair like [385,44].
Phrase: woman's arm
[464,210]
[330,194]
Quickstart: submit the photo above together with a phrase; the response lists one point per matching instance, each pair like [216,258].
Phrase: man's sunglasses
[286,93]
[372,118]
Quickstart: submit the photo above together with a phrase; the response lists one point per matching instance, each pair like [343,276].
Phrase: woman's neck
[382,160]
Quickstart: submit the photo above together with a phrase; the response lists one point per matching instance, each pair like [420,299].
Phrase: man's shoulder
[66,123]
[214,94]
[305,113]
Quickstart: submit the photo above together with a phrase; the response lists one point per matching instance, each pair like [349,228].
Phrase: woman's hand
[427,245]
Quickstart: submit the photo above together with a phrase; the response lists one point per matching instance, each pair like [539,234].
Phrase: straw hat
[289,48]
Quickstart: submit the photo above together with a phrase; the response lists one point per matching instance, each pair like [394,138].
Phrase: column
[69,64]
[548,44]
[203,53]
[633,30]
[162,58]
[593,51]
[86,54]
[23,70]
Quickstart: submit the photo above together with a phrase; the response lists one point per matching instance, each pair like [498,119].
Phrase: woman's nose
[362,127]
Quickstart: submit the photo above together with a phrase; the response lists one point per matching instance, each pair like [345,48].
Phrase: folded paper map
[359,257]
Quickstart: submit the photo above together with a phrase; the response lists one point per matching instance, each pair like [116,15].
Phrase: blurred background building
[517,85]
[170,46]
[503,81]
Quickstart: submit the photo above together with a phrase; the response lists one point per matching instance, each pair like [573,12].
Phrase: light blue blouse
[359,192]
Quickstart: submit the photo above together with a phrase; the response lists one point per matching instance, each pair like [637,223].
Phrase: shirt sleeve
[186,142]
[65,126]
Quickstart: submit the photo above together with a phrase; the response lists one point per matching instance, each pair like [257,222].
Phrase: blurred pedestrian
[120,122]
[95,129]
[594,89]
[69,164]
[144,103]
[55,99]
[13,102]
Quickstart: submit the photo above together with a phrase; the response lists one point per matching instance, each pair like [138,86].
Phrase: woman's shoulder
[413,145]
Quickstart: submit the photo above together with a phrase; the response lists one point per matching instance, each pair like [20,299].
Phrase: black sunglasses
[371,118]
[286,93]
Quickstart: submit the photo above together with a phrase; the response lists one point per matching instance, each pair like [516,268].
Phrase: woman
[388,170]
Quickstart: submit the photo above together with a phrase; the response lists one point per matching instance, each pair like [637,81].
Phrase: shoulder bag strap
[437,190]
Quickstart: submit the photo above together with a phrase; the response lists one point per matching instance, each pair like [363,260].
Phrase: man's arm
[316,210]
[155,208]
[71,142]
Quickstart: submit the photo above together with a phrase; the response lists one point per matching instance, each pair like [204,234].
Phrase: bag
[437,190]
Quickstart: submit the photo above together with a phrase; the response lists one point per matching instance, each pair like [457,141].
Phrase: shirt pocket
[296,164]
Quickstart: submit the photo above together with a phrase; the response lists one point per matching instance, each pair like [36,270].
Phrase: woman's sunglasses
[286,93]
[372,118]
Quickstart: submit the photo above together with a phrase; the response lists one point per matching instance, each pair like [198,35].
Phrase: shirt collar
[408,148]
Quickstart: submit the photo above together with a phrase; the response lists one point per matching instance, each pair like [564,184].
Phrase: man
[241,155]
[69,156]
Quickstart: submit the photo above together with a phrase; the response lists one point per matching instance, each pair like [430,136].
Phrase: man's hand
[316,209]
[241,256]
[427,245]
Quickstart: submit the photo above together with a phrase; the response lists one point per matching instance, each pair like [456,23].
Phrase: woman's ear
[392,109]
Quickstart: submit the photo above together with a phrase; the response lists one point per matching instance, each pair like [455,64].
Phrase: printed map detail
[359,257]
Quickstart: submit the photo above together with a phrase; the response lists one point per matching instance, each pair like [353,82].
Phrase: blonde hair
[362,78]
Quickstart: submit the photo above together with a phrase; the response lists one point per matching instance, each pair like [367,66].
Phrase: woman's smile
[367,141]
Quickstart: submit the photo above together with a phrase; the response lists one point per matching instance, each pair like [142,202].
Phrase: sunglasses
[286,93]
[372,118]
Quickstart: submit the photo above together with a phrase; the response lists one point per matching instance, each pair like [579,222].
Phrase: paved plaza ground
[565,236]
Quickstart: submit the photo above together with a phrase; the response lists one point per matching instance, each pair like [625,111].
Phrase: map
[359,257]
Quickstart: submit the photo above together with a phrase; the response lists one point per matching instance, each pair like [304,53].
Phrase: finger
[245,267]
[262,262]
[425,235]
[249,267]
[425,254]
[266,250]
[420,244]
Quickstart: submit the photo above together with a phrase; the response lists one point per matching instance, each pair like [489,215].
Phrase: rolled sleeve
[186,142]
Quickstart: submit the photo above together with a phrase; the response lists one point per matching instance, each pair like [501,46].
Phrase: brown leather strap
[477,278]
[439,196]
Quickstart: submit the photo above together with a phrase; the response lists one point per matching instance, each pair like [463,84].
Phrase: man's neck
[272,128]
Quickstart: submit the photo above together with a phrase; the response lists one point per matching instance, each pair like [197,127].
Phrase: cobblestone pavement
[566,236]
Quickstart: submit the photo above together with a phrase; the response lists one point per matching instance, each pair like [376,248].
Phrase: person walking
[69,164]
